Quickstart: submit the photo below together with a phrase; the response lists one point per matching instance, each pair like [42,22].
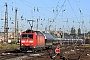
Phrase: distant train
[68,41]
[36,40]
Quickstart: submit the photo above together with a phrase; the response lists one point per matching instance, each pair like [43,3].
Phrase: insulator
[37,10]
[34,9]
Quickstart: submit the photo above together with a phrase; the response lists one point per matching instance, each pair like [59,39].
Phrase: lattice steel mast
[6,24]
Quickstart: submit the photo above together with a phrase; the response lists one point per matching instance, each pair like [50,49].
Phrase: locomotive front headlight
[34,47]
[22,44]
[23,41]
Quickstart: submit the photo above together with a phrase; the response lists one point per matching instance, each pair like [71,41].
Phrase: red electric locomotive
[32,40]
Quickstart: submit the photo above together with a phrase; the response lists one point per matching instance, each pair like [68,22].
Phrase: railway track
[17,54]
[48,54]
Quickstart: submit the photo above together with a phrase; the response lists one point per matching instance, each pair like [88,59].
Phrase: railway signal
[57,50]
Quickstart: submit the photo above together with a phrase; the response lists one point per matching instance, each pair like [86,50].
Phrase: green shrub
[13,42]
[0,47]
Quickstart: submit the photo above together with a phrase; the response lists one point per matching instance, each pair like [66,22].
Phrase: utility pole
[49,27]
[6,24]
[37,25]
[16,26]
[46,29]
[17,33]
[63,31]
[21,23]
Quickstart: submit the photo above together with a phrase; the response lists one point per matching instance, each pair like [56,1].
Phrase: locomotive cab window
[30,35]
[24,35]
[27,35]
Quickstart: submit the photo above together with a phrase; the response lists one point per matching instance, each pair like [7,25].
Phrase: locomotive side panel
[40,41]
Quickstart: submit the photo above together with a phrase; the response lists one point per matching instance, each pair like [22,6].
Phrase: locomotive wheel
[41,49]
[33,51]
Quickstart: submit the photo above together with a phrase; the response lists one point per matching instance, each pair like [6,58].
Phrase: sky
[59,14]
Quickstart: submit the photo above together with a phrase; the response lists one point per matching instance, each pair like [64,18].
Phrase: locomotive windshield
[30,35]
[27,35]
[24,35]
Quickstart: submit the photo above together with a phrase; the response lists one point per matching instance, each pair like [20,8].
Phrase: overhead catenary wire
[60,9]
[78,6]
[32,7]
[26,4]
[44,3]
[13,7]
[38,8]
[72,9]
[8,5]
[81,16]
[11,20]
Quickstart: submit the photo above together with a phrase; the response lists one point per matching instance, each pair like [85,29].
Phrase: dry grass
[8,46]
